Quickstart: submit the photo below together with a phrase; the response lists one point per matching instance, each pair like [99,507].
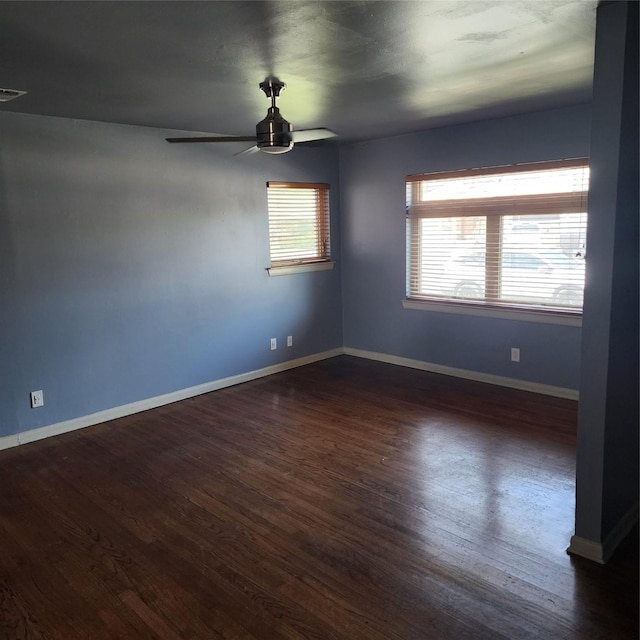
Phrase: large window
[298,223]
[501,237]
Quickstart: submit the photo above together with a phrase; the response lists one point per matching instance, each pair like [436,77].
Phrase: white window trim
[486,311]
[287,270]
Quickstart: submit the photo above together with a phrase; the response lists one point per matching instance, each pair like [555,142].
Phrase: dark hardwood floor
[347,499]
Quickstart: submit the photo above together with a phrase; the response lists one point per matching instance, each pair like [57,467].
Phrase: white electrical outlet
[37,399]
[274,344]
[289,341]
[515,354]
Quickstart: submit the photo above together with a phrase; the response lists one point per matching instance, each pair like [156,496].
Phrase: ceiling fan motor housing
[274,133]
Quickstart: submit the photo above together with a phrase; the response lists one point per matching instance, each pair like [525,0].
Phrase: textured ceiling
[364,69]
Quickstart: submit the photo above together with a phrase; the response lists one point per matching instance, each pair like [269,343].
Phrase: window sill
[525,315]
[300,268]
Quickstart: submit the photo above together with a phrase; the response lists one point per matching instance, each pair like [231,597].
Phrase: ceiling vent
[10,94]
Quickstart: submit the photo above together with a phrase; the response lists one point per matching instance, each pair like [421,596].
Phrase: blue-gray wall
[607,457]
[131,268]
[374,248]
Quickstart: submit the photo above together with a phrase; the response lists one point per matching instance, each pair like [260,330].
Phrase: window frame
[493,209]
[322,259]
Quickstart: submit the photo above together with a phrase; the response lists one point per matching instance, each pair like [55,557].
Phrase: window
[298,224]
[511,237]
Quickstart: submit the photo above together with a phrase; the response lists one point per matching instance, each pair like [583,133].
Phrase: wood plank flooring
[347,499]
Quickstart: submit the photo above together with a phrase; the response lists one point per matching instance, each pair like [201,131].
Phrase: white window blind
[298,223]
[504,236]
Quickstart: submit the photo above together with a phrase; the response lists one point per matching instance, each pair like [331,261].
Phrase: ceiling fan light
[276,149]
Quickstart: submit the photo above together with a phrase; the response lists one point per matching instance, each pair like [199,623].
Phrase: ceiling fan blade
[215,139]
[253,149]
[309,135]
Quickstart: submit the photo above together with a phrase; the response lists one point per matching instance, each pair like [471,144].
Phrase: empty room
[319,320]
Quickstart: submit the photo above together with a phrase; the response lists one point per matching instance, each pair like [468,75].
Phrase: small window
[500,237]
[298,223]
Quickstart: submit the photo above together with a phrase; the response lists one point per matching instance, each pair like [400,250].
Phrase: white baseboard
[151,403]
[7,442]
[602,552]
[513,383]
[586,549]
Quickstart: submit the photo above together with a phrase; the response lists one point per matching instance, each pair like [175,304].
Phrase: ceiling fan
[273,134]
